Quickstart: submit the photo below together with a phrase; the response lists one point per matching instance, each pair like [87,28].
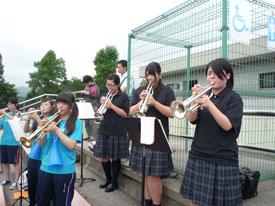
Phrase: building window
[174,86]
[267,80]
[191,83]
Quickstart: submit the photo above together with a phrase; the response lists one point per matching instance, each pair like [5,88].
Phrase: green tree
[105,63]
[74,84]
[6,89]
[49,77]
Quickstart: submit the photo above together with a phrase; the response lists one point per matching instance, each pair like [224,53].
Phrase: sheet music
[147,130]
[17,128]
[86,110]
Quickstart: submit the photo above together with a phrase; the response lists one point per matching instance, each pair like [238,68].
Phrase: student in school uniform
[9,146]
[158,164]
[57,172]
[35,155]
[212,175]
[112,143]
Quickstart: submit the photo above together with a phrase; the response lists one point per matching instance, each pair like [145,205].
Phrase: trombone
[27,141]
[143,107]
[102,109]
[30,112]
[181,108]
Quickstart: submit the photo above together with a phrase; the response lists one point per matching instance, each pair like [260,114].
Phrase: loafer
[111,187]
[4,182]
[102,186]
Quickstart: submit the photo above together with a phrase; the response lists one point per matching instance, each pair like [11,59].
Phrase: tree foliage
[74,84]
[6,89]
[105,63]
[49,77]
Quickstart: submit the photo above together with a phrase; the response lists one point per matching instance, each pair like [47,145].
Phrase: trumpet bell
[178,109]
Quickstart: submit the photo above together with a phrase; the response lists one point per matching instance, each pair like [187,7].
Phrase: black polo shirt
[110,125]
[211,142]
[163,94]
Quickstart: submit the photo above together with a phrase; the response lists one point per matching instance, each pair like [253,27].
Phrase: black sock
[148,202]
[107,170]
[116,166]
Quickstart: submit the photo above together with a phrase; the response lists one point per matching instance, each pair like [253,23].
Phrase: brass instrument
[181,108]
[143,107]
[27,141]
[16,113]
[102,109]
[30,112]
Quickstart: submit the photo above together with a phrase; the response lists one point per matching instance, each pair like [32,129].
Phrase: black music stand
[86,112]
[132,126]
[21,197]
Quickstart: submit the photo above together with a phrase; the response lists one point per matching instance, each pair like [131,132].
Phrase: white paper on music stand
[147,130]
[17,128]
[86,110]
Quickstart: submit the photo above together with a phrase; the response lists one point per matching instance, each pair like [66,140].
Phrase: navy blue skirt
[111,147]
[156,163]
[210,184]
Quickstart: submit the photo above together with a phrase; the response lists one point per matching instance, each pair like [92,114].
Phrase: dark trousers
[33,171]
[59,187]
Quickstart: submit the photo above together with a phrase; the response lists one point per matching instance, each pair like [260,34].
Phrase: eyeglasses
[110,85]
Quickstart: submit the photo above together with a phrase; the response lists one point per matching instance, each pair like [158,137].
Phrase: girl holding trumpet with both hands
[212,174]
[112,143]
[57,175]
[158,164]
[9,147]
[34,162]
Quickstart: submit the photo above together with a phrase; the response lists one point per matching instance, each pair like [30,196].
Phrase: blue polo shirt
[7,136]
[66,155]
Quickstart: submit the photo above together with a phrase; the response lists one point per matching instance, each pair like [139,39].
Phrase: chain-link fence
[183,40]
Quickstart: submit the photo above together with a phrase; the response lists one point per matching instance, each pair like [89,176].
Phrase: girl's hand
[51,127]
[203,101]
[151,101]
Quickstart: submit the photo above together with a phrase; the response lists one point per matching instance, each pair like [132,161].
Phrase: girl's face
[112,86]
[219,84]
[153,79]
[11,106]
[46,107]
[64,108]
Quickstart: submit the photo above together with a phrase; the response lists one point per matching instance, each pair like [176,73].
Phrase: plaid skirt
[111,147]
[156,163]
[211,184]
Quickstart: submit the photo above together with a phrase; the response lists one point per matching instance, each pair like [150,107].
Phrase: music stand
[132,126]
[18,132]
[86,112]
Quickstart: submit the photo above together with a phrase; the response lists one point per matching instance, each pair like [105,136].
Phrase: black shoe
[105,185]
[111,187]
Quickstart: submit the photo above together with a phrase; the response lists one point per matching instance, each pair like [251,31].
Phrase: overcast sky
[75,30]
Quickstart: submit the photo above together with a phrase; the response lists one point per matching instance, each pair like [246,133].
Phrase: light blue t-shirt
[36,151]
[7,136]
[66,156]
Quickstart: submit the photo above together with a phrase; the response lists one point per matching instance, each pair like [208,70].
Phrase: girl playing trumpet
[112,143]
[57,175]
[34,162]
[9,147]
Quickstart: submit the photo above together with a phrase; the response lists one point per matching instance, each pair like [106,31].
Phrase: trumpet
[143,107]
[27,141]
[181,108]
[102,109]
[30,112]
[15,113]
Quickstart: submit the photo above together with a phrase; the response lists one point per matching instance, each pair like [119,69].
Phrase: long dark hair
[221,67]
[68,98]
[153,69]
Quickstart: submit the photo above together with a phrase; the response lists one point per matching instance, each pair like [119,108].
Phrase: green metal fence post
[224,29]
[129,62]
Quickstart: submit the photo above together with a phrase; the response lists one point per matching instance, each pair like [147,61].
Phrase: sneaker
[4,182]
[13,186]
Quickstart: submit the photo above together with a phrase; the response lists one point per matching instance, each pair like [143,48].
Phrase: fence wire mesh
[183,40]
